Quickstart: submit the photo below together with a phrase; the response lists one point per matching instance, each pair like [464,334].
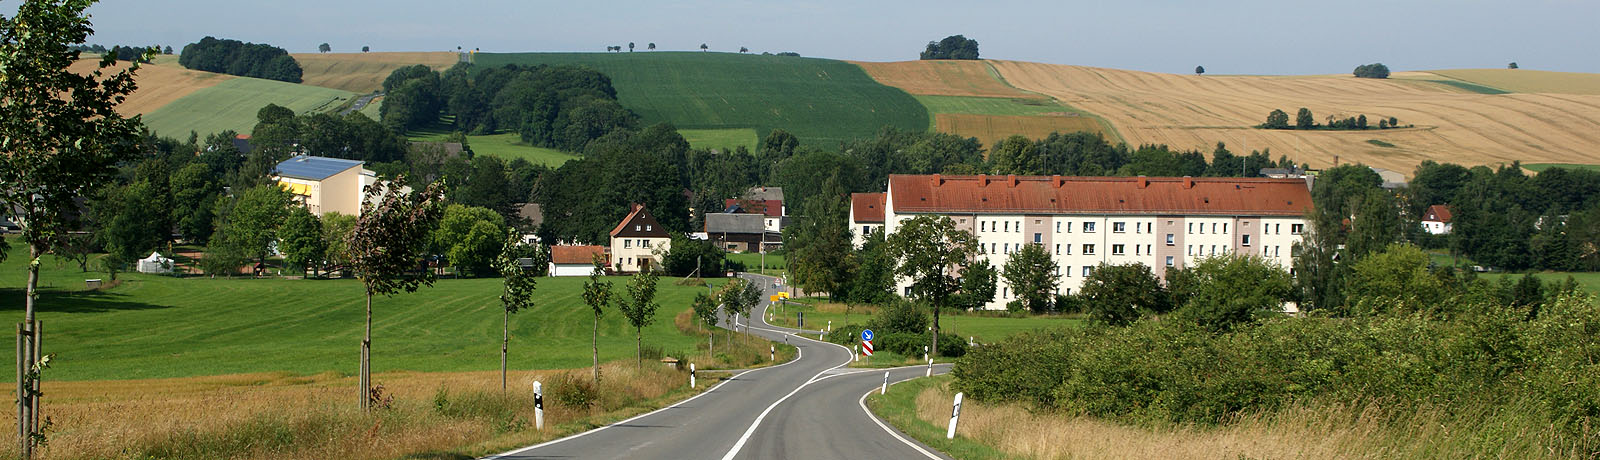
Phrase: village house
[765,201]
[638,242]
[571,260]
[1436,220]
[738,232]
[325,185]
[866,216]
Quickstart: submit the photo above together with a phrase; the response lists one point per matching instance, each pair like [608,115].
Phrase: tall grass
[728,350]
[284,416]
[1372,430]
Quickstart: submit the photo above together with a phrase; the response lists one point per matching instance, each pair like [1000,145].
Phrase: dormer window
[637,228]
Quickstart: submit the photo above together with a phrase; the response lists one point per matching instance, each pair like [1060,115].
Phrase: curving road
[808,408]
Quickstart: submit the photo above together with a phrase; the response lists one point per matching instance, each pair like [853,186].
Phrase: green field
[822,101]
[156,326]
[233,103]
[726,139]
[984,329]
[1540,167]
[1589,280]
[991,105]
[752,262]
[1469,86]
[507,146]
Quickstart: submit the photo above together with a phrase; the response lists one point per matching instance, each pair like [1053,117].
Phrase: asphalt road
[809,408]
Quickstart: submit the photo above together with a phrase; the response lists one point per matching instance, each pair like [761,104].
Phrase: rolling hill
[821,101]
[1453,122]
[233,103]
[363,72]
[969,99]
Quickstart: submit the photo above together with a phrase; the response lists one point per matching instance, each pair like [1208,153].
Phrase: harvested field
[159,85]
[1190,112]
[1528,81]
[942,78]
[990,129]
[363,72]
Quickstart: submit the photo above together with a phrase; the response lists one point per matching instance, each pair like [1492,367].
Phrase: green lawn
[233,103]
[822,101]
[984,329]
[726,139]
[1589,280]
[507,146]
[752,262]
[1540,167]
[156,326]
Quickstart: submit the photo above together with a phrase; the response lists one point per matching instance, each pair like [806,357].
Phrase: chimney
[1055,181]
[636,207]
[938,180]
[1011,181]
[1142,182]
[983,180]
[1188,182]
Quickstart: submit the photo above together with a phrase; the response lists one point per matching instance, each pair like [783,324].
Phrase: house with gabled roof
[325,185]
[639,242]
[1436,220]
[866,216]
[574,260]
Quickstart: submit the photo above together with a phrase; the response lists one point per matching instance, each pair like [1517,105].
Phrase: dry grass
[282,416]
[942,78]
[363,72]
[1325,431]
[732,351]
[991,129]
[159,84]
[1529,81]
[1190,112]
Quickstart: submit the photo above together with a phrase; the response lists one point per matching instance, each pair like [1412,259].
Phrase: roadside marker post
[538,405]
[930,368]
[830,325]
[885,388]
[773,350]
[954,414]
[857,354]
[691,375]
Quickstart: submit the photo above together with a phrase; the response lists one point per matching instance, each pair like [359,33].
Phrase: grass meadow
[233,103]
[822,101]
[507,146]
[724,139]
[921,408]
[775,264]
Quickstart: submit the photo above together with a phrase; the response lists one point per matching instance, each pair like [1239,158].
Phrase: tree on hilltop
[323,48]
[365,48]
[743,50]
[1512,65]
[703,47]
[168,50]
[651,46]
[1374,70]
[952,47]
[1278,119]
[630,47]
[1199,70]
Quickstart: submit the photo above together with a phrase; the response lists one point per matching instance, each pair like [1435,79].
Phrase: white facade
[630,254]
[570,269]
[1435,227]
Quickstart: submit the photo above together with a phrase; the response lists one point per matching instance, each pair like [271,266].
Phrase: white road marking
[757,423]
[863,403]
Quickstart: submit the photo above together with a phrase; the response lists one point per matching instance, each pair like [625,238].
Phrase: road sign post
[538,405]
[691,375]
[954,414]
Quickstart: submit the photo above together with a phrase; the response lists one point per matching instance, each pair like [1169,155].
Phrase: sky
[1227,37]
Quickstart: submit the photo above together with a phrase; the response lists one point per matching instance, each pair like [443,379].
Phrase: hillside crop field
[1528,81]
[363,72]
[821,101]
[720,138]
[969,99]
[1455,125]
[159,85]
[943,78]
[151,326]
[233,103]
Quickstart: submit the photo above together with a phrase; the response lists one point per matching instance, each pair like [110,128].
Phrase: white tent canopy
[156,263]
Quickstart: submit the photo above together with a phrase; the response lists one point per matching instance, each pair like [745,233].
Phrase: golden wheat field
[991,129]
[1528,81]
[941,78]
[1193,112]
[363,72]
[159,84]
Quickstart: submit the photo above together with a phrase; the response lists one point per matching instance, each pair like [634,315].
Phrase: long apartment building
[1086,221]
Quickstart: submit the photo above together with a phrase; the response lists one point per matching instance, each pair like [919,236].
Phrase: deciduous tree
[386,250]
[1304,119]
[640,307]
[1199,70]
[301,240]
[597,294]
[1120,294]
[1233,289]
[931,251]
[518,281]
[323,48]
[1032,275]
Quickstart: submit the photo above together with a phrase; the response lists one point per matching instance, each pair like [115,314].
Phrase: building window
[1169,261]
[1296,229]
[1087,270]
[1189,250]
[1058,249]
[638,228]
[644,243]
[1138,250]
[1058,227]
[1224,228]
[1274,251]
[1007,247]
[1213,227]
[1191,228]
[1038,238]
[982,226]
[1088,249]
[991,248]
[1171,240]
[1148,249]
[627,244]
[1005,293]
[1119,227]
[866,231]
[1245,239]
[1213,249]
[1088,227]
[1117,250]
[649,228]
[1019,226]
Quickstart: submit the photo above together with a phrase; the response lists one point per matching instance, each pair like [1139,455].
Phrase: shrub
[899,316]
[573,391]
[910,345]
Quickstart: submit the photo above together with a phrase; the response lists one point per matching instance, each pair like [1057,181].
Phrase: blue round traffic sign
[866,334]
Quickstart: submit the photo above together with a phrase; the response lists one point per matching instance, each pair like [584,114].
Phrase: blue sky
[1239,37]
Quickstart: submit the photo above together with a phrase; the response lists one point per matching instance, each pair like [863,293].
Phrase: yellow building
[325,185]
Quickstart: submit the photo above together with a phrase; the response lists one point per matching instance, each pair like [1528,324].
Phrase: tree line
[1505,219]
[1278,119]
[121,52]
[234,57]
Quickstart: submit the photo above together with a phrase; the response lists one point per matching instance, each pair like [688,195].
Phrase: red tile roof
[771,208]
[1109,195]
[1437,213]
[576,255]
[867,207]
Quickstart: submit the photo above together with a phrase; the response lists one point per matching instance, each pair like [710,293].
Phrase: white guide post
[885,388]
[538,405]
[691,375]
[954,414]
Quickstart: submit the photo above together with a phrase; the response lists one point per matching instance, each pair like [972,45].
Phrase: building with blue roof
[325,185]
